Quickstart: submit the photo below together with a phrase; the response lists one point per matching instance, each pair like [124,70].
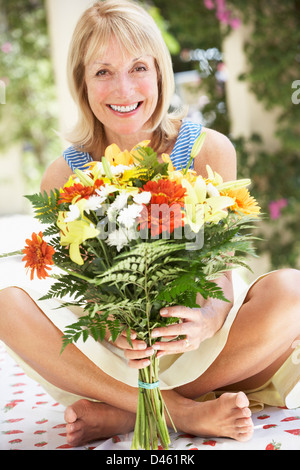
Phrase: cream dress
[175,370]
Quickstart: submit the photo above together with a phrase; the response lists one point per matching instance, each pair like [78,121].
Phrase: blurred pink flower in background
[222,13]
[6,47]
[275,208]
[209,4]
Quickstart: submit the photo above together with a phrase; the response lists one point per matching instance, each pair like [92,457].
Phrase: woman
[121,77]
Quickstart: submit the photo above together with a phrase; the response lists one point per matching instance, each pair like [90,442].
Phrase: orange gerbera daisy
[163,214]
[38,256]
[165,192]
[243,201]
[78,191]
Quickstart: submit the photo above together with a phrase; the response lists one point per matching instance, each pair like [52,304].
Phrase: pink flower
[6,47]
[222,13]
[221,5]
[223,16]
[235,23]
[209,4]
[275,208]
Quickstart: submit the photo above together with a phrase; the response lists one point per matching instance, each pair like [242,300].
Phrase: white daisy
[120,238]
[93,203]
[128,215]
[142,198]
[119,169]
[73,213]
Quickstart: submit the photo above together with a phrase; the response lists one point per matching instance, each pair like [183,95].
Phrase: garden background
[236,65]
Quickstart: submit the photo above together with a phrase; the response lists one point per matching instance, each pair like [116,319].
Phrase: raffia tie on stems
[151,426]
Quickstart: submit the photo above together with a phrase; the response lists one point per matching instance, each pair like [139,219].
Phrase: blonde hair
[136,32]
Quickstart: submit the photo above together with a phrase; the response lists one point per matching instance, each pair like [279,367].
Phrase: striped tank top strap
[181,153]
[76,159]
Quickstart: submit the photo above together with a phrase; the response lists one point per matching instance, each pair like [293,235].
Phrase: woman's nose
[124,85]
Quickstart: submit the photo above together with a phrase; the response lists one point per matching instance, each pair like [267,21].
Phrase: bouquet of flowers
[132,235]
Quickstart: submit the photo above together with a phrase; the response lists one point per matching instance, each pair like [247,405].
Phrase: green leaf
[45,206]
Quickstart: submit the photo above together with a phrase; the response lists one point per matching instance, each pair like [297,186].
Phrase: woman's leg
[260,340]
[28,332]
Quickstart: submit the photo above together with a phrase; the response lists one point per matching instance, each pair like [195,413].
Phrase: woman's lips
[124,109]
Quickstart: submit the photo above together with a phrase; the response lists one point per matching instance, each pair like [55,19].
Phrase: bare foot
[89,421]
[227,416]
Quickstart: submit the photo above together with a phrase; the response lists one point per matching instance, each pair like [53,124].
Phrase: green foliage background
[30,116]
[273,59]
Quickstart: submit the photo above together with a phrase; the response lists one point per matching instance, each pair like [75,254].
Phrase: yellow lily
[166,159]
[135,151]
[217,181]
[74,233]
[84,178]
[71,181]
[115,156]
[199,208]
[196,195]
[178,176]
[214,210]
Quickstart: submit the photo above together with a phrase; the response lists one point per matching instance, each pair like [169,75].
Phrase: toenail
[70,427]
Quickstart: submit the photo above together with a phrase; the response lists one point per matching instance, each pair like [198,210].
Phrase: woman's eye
[101,73]
[140,68]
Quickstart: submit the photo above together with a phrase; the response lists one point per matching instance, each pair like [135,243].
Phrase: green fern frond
[45,206]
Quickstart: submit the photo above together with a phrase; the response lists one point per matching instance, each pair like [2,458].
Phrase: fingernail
[154,334]
[150,352]
[164,311]
[160,354]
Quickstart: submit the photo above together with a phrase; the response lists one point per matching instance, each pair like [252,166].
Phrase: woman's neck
[126,142]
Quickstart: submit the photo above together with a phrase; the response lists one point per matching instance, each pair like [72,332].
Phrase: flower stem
[13,253]
[151,426]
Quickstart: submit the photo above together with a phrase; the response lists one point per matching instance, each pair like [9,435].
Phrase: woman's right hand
[137,355]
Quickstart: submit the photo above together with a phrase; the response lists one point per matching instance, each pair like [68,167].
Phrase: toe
[74,438]
[241,400]
[245,433]
[70,415]
[244,423]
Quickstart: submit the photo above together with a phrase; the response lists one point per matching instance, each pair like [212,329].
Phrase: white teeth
[124,109]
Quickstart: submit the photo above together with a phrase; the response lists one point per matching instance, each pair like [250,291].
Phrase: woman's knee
[284,283]
[13,303]
[280,294]
[10,296]
[277,295]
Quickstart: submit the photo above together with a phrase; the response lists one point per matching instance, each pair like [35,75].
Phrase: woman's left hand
[197,324]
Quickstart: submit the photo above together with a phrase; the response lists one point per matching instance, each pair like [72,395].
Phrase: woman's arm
[56,175]
[219,153]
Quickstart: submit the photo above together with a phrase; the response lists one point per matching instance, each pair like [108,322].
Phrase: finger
[139,364]
[138,361]
[132,334]
[172,330]
[132,354]
[122,343]
[179,312]
[172,346]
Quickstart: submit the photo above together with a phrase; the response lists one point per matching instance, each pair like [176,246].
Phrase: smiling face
[122,92]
